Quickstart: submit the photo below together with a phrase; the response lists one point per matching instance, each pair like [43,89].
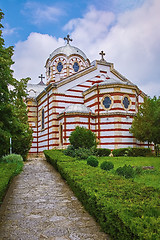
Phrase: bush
[132,152]
[83,153]
[106,165]
[136,152]
[70,151]
[102,152]
[82,138]
[119,152]
[92,161]
[12,158]
[126,171]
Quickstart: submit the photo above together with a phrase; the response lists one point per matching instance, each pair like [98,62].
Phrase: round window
[107,102]
[59,67]
[76,67]
[126,102]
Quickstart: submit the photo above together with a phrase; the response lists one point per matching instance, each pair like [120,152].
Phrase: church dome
[68,50]
[65,61]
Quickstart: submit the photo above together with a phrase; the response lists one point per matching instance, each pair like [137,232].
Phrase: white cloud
[130,40]
[8,30]
[40,13]
[89,31]
[30,56]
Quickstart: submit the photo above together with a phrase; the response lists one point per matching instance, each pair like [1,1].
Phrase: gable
[84,80]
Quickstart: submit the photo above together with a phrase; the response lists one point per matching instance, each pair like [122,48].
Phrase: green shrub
[106,165]
[119,152]
[92,161]
[102,152]
[136,152]
[12,158]
[126,171]
[82,138]
[132,152]
[83,153]
[80,153]
[70,151]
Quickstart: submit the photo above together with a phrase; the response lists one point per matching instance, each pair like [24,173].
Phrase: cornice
[76,113]
[94,115]
[110,86]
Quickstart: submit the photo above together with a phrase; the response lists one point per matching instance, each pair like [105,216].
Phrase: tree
[22,133]
[13,110]
[82,138]
[146,124]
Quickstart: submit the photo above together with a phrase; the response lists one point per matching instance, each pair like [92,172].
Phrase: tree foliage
[13,110]
[82,138]
[146,124]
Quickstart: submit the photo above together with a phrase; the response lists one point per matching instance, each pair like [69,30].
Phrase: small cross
[68,39]
[41,77]
[102,54]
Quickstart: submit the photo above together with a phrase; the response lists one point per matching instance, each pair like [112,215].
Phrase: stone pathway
[39,205]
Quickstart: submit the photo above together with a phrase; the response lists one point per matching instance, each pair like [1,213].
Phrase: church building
[78,92]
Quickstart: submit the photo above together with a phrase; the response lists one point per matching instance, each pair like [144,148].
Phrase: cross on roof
[102,54]
[68,39]
[41,77]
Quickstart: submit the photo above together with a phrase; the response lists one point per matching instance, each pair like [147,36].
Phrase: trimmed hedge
[132,152]
[92,161]
[119,152]
[107,165]
[123,208]
[8,169]
[136,152]
[102,152]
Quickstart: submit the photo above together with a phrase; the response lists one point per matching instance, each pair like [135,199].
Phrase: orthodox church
[81,93]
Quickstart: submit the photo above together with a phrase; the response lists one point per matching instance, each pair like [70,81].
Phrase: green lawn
[148,177]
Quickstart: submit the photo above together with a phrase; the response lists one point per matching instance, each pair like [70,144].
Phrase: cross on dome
[102,54]
[41,77]
[68,39]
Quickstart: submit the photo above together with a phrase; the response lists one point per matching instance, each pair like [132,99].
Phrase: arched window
[59,67]
[76,67]
[106,102]
[61,134]
[126,102]
[42,120]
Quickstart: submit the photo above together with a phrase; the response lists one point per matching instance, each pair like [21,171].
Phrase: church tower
[65,61]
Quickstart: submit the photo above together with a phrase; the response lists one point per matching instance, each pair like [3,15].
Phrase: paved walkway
[39,205]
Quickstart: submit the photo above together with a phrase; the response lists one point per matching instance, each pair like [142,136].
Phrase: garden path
[39,205]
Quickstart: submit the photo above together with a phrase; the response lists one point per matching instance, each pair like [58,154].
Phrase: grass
[150,178]
[7,172]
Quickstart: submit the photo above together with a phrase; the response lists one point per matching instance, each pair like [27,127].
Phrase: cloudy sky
[128,31]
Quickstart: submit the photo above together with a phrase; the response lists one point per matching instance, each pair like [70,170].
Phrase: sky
[128,31]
